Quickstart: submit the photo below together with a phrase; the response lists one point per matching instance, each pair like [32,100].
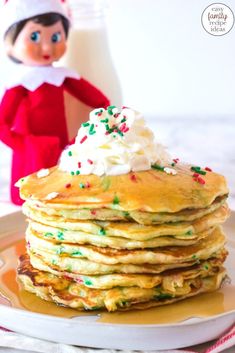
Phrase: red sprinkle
[126,129]
[122,127]
[68,186]
[90,161]
[133,177]
[208,169]
[79,164]
[79,280]
[67,277]
[87,185]
[195,175]
[199,180]
[93,212]
[176,160]
[83,139]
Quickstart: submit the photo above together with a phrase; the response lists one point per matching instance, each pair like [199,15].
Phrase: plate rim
[198,320]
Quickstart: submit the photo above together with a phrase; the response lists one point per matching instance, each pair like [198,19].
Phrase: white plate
[86,331]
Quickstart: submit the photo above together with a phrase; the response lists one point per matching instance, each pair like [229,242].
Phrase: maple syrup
[221,301]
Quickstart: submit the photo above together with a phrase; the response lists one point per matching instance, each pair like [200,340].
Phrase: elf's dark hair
[47,19]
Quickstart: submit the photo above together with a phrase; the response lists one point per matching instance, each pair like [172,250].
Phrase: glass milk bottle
[88,53]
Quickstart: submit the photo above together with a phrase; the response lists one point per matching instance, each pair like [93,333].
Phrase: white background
[168,65]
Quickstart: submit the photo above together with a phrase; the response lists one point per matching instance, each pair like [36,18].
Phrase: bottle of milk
[88,53]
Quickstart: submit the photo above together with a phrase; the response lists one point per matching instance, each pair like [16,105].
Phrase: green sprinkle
[104,120]
[99,111]
[123,120]
[198,170]
[195,168]
[111,130]
[194,257]
[88,282]
[60,235]
[202,172]
[77,253]
[120,133]
[107,127]
[206,267]
[92,132]
[102,231]
[126,214]
[163,296]
[116,200]
[77,172]
[82,186]
[70,153]
[53,261]
[110,109]
[172,164]
[123,303]
[48,234]
[157,167]
[72,173]
[189,232]
[91,127]
[86,124]
[95,308]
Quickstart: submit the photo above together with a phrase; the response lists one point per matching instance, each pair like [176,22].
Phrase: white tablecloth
[31,345]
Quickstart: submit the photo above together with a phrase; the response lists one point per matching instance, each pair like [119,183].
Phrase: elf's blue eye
[35,37]
[56,37]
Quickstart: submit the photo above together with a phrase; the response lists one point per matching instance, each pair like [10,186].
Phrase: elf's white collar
[32,77]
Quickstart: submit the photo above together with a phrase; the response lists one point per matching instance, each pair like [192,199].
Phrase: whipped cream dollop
[113,143]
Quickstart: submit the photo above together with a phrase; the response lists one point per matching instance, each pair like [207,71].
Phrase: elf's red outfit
[33,122]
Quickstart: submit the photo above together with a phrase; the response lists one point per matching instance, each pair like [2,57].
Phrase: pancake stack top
[119,225]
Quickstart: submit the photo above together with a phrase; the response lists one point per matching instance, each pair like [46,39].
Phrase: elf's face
[38,45]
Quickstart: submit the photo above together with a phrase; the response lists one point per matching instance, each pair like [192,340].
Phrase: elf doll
[33,120]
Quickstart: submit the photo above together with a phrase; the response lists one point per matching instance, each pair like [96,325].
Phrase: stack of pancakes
[120,242]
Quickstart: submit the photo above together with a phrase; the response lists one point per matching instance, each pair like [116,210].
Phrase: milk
[88,53]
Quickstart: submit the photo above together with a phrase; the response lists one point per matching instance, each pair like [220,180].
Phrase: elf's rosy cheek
[32,50]
[59,50]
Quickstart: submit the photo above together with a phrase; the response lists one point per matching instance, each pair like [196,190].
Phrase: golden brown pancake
[143,280]
[150,191]
[84,231]
[203,249]
[69,293]
[37,210]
